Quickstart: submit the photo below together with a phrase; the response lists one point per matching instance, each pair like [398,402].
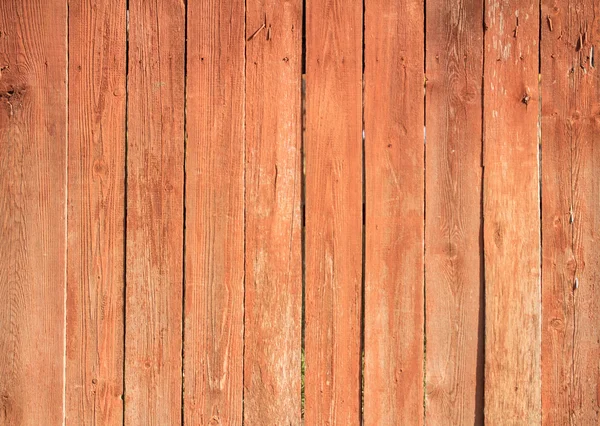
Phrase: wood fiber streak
[273,302]
[454,229]
[214,269]
[95,267]
[153,346]
[512,214]
[394,160]
[33,144]
[571,212]
[333,211]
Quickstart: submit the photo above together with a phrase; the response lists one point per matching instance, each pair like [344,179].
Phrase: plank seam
[245,211]
[424,211]
[66,221]
[184,193]
[361,367]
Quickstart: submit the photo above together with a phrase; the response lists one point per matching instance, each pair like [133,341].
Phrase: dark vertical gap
[364,229]
[541,236]
[245,214]
[424,210]
[480,373]
[185,68]
[126,175]
[303,211]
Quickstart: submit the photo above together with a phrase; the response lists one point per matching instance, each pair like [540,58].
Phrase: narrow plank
[394,161]
[511,214]
[454,249]
[333,212]
[273,296]
[214,259]
[96,217]
[153,370]
[33,145]
[571,206]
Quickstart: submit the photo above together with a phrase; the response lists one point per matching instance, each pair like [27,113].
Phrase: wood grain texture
[333,161]
[571,212]
[273,296]
[511,214]
[394,161]
[454,229]
[33,145]
[153,346]
[96,214]
[214,268]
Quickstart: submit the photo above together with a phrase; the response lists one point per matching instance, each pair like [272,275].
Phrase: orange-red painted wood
[33,183]
[511,214]
[333,150]
[273,302]
[571,212]
[394,161]
[155,147]
[454,243]
[214,262]
[96,213]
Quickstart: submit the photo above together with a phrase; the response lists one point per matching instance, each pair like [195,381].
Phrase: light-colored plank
[454,243]
[511,213]
[273,302]
[214,263]
[571,212]
[155,140]
[96,214]
[333,150]
[33,145]
[394,161]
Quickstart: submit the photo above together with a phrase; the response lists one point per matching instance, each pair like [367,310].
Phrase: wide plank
[33,184]
[155,182]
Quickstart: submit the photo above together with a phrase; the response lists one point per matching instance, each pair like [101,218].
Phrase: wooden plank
[454,243]
[33,145]
[394,160]
[214,261]
[96,214]
[333,212]
[155,180]
[511,213]
[571,206]
[273,296]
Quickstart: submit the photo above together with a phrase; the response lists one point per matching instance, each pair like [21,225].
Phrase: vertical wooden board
[394,161]
[454,250]
[153,346]
[33,144]
[571,206]
[214,263]
[511,213]
[273,296]
[333,212]
[95,270]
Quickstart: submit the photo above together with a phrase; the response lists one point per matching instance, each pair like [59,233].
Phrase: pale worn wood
[454,243]
[273,296]
[394,161]
[214,262]
[155,139]
[511,214]
[33,145]
[96,214]
[333,211]
[571,212]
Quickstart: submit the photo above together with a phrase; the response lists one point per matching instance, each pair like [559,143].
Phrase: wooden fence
[275,212]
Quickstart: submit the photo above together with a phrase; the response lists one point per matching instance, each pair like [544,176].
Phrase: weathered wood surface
[454,233]
[33,178]
[96,213]
[511,213]
[155,181]
[273,284]
[214,253]
[571,212]
[394,197]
